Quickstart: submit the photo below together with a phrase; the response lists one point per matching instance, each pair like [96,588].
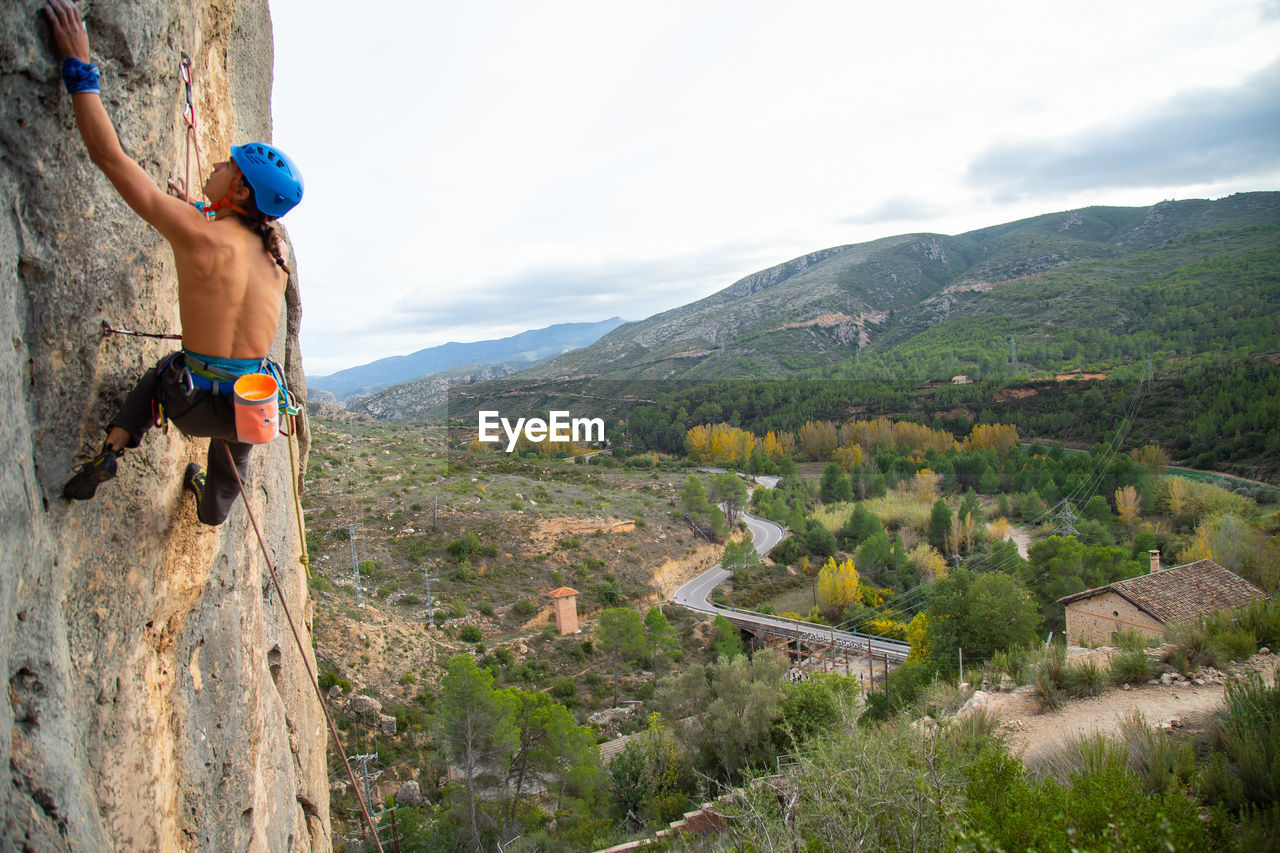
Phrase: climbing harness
[275,581]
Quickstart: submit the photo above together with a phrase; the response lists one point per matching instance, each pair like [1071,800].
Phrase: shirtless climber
[231,280]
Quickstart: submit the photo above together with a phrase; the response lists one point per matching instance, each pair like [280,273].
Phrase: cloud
[897,209]
[565,292]
[1196,138]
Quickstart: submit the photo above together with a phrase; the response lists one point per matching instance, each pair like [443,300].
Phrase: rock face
[157,699]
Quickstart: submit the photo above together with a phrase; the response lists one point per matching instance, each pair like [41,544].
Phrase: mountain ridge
[712,337]
[528,347]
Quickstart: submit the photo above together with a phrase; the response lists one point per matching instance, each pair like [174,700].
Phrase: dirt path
[1022,538]
[1034,734]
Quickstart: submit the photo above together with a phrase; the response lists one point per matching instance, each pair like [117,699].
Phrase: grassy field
[495,534]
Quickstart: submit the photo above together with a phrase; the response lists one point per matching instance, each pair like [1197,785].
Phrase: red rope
[275,580]
[189,116]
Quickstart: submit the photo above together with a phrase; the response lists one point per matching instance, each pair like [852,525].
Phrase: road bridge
[765,534]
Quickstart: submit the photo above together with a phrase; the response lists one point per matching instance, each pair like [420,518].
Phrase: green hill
[820,309]
[1052,322]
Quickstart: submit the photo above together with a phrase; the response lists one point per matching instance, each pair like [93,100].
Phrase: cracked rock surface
[157,700]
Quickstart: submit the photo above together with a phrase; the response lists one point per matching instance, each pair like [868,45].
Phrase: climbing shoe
[97,470]
[193,481]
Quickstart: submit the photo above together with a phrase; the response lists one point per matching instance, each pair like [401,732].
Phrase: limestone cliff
[157,700]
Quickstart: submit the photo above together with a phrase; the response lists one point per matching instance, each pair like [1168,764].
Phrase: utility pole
[1066,521]
[435,513]
[355,564]
[368,778]
[431,610]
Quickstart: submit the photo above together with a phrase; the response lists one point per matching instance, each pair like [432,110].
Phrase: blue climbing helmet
[276,181]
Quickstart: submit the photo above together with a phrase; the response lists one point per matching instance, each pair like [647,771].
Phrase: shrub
[942,699]
[1083,679]
[1202,643]
[1262,618]
[524,608]
[463,547]
[1082,798]
[1048,693]
[1049,664]
[470,634]
[1248,729]
[1132,666]
[1163,762]
[564,688]
[329,679]
[1130,640]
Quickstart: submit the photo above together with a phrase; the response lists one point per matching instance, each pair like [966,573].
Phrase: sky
[475,169]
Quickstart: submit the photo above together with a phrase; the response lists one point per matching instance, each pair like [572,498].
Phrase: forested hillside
[1121,270]
[1183,335]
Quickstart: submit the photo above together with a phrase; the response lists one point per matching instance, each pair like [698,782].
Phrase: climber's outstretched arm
[174,219]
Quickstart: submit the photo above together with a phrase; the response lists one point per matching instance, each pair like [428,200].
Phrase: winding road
[765,535]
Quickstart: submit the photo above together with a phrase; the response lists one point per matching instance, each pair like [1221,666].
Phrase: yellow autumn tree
[778,445]
[838,583]
[1000,528]
[697,442]
[1200,547]
[818,439]
[883,626]
[924,486]
[1128,505]
[968,530]
[998,437]
[717,444]
[847,457]
[1153,457]
[918,637]
[928,561]
[868,434]
[919,438]
[1176,495]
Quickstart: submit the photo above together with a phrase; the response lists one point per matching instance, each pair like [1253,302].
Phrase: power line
[355,564]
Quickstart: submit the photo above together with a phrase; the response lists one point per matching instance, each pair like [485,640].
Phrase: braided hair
[263,226]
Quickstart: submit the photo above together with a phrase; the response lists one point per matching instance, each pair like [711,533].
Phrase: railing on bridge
[811,632]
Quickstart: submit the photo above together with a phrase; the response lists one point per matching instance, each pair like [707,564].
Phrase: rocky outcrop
[157,700]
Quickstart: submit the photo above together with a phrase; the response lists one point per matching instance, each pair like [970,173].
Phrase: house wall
[1093,620]
[566,610]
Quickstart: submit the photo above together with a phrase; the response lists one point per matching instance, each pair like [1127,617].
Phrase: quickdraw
[189,118]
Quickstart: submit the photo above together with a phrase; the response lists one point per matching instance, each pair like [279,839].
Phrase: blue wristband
[79,76]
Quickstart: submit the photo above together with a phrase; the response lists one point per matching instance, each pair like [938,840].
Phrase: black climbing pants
[197,413]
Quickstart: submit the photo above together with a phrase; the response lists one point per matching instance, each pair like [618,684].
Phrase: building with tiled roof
[565,607]
[1152,602]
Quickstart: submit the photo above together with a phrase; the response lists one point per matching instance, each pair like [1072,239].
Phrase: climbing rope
[108,330]
[189,117]
[297,638]
[303,558]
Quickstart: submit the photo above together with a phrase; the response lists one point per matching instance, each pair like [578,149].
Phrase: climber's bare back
[229,291]
[229,287]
